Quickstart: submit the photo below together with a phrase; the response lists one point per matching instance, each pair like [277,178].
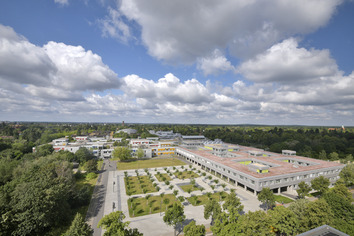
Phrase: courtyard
[186,184]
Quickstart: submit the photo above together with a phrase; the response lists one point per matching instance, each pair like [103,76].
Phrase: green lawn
[187,187]
[187,174]
[144,206]
[160,177]
[151,163]
[137,187]
[202,199]
[281,199]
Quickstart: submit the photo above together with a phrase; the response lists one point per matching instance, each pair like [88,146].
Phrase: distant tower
[123,123]
[343,128]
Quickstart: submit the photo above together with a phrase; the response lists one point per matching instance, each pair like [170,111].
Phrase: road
[96,207]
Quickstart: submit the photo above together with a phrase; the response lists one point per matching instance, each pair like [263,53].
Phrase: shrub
[90,176]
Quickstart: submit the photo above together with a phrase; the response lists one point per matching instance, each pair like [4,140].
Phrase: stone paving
[116,199]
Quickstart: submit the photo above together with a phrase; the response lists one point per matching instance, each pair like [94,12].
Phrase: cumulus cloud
[285,62]
[182,31]
[54,71]
[214,64]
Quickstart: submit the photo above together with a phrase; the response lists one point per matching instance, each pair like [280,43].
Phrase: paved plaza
[153,224]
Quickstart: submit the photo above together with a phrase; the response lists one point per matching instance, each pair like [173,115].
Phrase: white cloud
[285,62]
[62,2]
[214,64]
[114,26]
[182,31]
[54,71]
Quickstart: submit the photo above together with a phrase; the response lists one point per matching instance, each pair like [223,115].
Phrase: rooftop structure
[254,168]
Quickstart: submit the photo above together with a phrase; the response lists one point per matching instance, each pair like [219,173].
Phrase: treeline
[310,142]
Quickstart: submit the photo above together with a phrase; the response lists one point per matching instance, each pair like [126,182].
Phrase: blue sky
[219,62]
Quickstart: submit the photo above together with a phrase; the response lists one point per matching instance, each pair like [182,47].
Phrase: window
[277,181]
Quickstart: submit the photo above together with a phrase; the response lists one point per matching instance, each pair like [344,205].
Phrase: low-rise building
[254,169]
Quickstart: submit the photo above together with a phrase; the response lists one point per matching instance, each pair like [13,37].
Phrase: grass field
[151,163]
[202,199]
[161,176]
[137,187]
[187,174]
[150,206]
[188,187]
[281,199]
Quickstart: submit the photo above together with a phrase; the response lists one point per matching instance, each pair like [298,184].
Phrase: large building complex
[254,169]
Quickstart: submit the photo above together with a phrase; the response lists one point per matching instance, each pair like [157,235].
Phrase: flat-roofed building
[254,169]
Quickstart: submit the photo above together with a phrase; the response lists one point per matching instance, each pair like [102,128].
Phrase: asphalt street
[96,207]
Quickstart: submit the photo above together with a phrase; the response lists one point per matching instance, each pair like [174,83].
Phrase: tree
[266,196]
[233,201]
[174,216]
[212,209]
[254,223]
[114,225]
[44,150]
[284,221]
[83,154]
[299,208]
[166,201]
[347,174]
[79,227]
[140,153]
[316,214]
[226,224]
[194,230]
[91,165]
[322,155]
[320,184]
[303,189]
[340,204]
[122,153]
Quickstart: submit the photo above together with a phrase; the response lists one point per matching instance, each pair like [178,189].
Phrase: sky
[279,62]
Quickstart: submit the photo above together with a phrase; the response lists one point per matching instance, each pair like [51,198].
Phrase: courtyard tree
[194,230]
[320,184]
[174,216]
[166,201]
[226,224]
[212,209]
[113,225]
[122,153]
[79,227]
[303,189]
[266,196]
[232,201]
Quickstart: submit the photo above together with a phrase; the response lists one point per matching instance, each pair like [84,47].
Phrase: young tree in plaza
[194,230]
[212,209]
[174,216]
[266,196]
[114,225]
[233,201]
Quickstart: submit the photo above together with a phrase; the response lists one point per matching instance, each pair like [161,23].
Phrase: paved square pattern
[153,224]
